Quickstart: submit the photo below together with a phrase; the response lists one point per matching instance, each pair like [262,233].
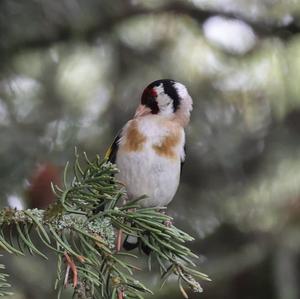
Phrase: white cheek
[159,89]
[166,110]
[163,100]
[165,104]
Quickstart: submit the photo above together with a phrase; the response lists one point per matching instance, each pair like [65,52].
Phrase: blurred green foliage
[71,73]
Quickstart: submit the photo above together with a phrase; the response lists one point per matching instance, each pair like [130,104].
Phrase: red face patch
[149,100]
[153,92]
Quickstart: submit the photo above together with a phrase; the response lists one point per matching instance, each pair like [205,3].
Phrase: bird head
[166,98]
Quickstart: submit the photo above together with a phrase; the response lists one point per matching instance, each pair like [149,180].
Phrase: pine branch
[80,229]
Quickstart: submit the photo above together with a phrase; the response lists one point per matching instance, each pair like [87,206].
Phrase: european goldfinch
[149,150]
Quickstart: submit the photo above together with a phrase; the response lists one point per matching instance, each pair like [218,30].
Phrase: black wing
[183,159]
[111,154]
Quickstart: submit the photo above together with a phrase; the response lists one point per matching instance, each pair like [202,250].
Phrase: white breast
[147,171]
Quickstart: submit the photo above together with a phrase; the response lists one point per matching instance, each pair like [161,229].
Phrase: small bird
[150,148]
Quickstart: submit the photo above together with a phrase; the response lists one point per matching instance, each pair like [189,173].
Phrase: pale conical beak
[141,111]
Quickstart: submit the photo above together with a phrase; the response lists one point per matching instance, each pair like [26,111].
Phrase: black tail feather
[132,242]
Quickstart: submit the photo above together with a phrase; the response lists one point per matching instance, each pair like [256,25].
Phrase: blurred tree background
[71,74]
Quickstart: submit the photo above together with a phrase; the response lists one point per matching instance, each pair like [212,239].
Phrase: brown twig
[71,265]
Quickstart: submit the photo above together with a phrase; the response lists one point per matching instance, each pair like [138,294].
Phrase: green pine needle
[80,229]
